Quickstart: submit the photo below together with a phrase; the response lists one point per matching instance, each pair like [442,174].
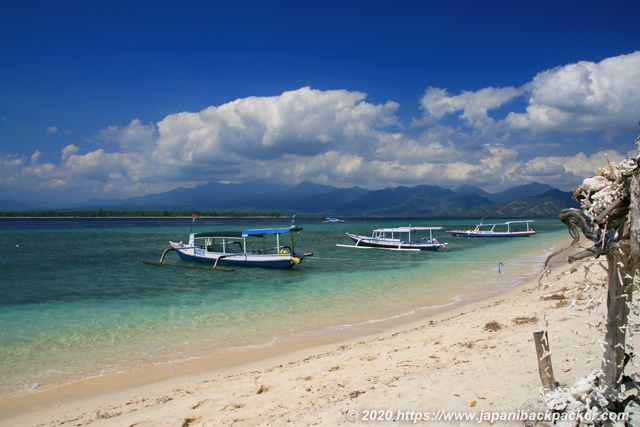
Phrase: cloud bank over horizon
[555,129]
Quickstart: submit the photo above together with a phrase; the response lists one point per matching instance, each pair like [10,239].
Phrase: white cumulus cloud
[557,132]
[584,96]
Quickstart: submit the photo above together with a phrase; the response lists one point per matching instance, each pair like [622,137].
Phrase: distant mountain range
[532,200]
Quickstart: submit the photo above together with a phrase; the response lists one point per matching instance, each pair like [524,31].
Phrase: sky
[114,99]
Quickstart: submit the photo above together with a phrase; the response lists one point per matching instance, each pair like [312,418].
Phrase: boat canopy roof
[262,231]
[406,229]
[506,223]
[218,234]
[239,234]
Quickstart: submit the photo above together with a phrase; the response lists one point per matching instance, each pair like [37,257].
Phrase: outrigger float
[251,248]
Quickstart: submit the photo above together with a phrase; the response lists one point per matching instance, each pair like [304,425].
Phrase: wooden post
[544,360]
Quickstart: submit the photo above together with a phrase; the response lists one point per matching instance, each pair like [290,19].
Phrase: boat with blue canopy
[265,247]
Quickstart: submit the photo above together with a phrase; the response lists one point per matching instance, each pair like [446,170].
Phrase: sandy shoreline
[476,358]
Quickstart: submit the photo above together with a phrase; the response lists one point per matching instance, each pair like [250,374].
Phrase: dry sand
[477,359]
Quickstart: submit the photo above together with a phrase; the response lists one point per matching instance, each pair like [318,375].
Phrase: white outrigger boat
[399,238]
[504,229]
[252,248]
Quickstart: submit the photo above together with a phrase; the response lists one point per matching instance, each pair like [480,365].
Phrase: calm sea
[77,302]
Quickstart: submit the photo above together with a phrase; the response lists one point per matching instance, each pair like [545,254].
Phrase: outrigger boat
[505,229]
[333,219]
[400,239]
[252,248]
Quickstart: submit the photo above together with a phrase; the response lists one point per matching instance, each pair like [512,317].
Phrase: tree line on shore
[101,213]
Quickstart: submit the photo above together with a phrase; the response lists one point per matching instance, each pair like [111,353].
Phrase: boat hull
[239,259]
[372,242]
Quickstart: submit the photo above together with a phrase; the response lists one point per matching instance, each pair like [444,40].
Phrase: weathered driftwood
[623,267]
[544,360]
[610,218]
[617,311]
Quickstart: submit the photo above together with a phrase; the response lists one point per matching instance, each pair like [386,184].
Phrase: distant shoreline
[138,214]
[188,214]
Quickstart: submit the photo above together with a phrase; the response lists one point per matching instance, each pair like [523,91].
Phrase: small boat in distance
[399,239]
[251,248]
[332,219]
[504,229]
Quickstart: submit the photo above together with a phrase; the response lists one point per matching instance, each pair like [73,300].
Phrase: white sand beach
[478,359]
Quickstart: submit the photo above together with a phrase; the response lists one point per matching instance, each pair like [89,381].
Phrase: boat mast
[292,232]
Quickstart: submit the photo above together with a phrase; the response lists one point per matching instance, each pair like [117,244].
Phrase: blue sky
[114,99]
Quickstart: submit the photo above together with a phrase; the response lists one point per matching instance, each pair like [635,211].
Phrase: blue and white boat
[263,247]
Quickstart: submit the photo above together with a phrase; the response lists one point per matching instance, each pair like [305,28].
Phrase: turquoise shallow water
[77,302]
